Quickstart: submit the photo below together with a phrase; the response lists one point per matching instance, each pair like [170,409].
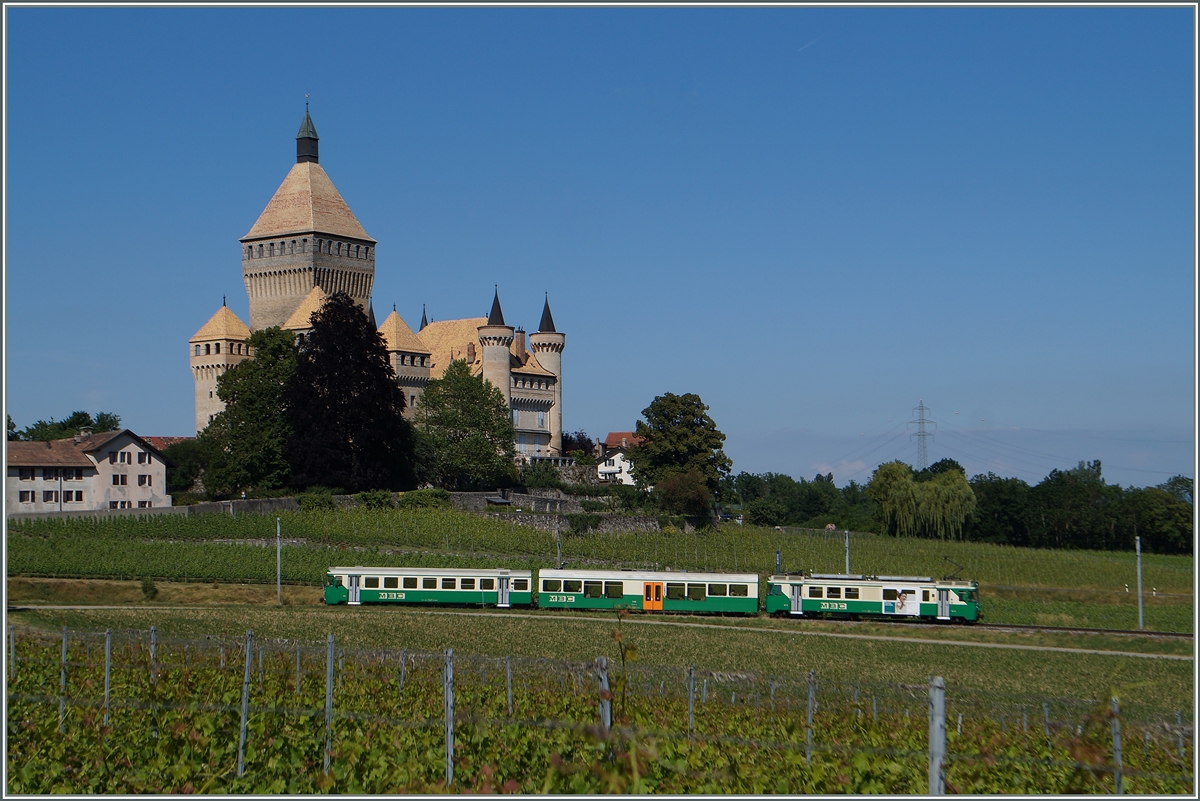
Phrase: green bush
[424,499]
[317,498]
[593,506]
[541,474]
[376,499]
[149,590]
[582,458]
[583,523]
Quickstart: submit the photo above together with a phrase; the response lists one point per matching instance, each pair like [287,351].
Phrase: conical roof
[399,336]
[222,325]
[546,326]
[496,316]
[307,202]
[301,319]
[307,129]
[424,319]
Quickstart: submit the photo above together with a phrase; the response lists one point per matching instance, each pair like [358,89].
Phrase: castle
[306,245]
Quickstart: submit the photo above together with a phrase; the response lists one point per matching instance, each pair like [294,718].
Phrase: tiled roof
[531,366]
[301,319]
[67,452]
[162,443]
[399,336]
[448,339]
[57,453]
[307,202]
[619,440]
[222,325]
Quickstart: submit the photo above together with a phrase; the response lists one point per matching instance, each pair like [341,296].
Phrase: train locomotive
[812,595]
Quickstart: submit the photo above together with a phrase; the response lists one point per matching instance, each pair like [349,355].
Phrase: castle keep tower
[307,236]
[547,345]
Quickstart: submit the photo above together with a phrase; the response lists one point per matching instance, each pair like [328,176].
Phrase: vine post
[508,677]
[241,768]
[107,670]
[62,698]
[1118,779]
[808,729]
[448,696]
[605,693]
[937,735]
[328,701]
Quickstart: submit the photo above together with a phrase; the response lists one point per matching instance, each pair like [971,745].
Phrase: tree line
[1072,508]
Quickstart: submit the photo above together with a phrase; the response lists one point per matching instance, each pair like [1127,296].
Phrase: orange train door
[653,595]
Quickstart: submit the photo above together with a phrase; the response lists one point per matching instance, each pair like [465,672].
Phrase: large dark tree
[242,449]
[464,432]
[345,407]
[678,436]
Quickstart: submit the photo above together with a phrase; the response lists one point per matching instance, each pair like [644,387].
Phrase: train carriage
[888,597]
[418,585]
[649,590]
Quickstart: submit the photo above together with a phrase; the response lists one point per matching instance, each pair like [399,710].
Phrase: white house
[113,470]
[613,466]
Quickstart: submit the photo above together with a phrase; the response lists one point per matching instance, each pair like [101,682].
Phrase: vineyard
[135,712]
[179,547]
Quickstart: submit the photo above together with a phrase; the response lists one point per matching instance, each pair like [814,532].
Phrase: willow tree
[937,507]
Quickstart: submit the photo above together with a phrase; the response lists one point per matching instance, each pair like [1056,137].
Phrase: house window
[73,496]
[49,473]
[25,473]
[145,504]
[49,496]
[120,480]
[124,458]
[119,505]
[145,481]
[72,473]
[142,458]
[27,496]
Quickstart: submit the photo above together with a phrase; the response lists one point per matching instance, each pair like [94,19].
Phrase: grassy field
[723,645]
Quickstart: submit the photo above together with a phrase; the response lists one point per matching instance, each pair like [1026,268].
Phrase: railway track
[1015,627]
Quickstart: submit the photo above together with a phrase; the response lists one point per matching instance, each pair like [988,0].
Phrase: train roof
[651,575]
[358,570]
[852,577]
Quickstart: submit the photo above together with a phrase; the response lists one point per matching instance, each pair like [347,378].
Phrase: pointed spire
[496,317]
[424,321]
[223,301]
[371,313]
[546,326]
[306,139]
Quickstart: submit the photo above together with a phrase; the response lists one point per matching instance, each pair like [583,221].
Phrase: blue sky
[812,218]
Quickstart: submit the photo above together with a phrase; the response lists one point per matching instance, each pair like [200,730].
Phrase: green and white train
[795,595]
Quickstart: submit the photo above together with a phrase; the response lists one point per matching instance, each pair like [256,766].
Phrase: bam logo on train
[895,597]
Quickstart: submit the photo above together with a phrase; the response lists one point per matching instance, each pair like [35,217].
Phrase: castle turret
[547,344]
[495,337]
[218,345]
[306,236]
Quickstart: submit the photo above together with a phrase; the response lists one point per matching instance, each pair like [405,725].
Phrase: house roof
[301,318]
[69,452]
[307,202]
[162,443]
[399,336]
[619,440]
[447,340]
[222,325]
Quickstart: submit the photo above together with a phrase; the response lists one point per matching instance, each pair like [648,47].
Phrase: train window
[468,584]
[695,592]
[614,589]
[429,584]
[889,595]
[410,582]
[816,592]
[593,589]
[852,593]
[717,589]
[337,580]
[371,582]
[521,585]
[833,592]
[924,595]
[739,590]
[676,592]
[390,582]
[487,584]
[551,585]
[572,586]
[448,583]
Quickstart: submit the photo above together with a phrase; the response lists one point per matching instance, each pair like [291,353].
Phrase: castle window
[197,350]
[207,350]
[271,249]
[367,252]
[541,419]
[515,419]
[260,251]
[303,245]
[217,348]
[356,251]
[210,394]
[412,401]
